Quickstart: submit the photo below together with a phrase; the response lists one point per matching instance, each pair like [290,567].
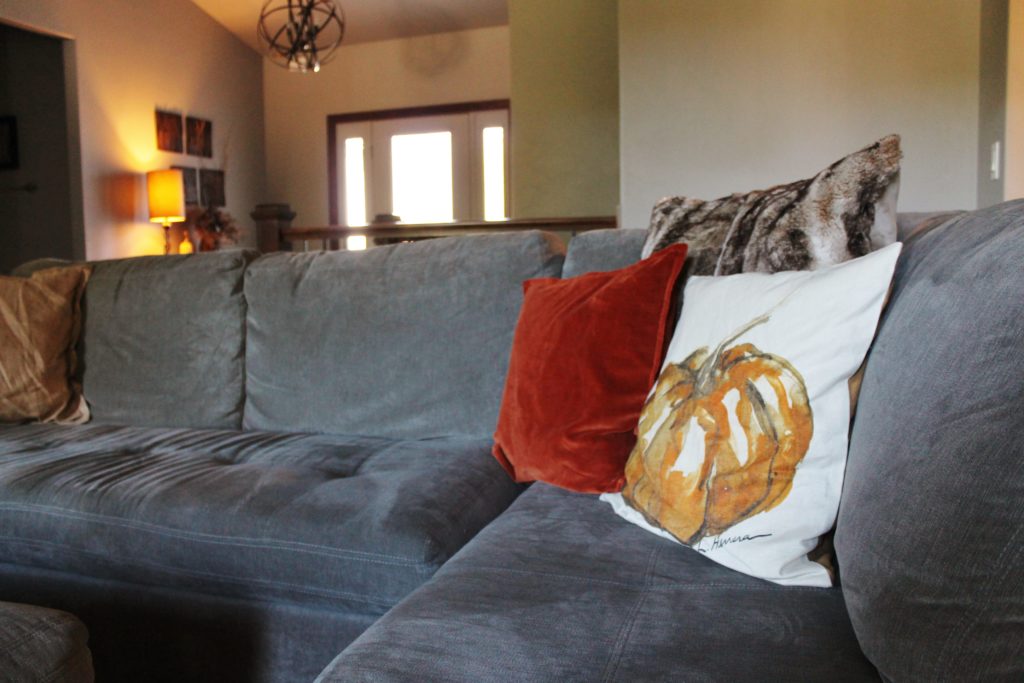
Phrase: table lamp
[166,192]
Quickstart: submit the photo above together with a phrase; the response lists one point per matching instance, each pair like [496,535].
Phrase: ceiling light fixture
[301,35]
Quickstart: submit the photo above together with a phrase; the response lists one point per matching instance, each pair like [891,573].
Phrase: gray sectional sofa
[281,449]
[929,541]
[290,460]
[42,645]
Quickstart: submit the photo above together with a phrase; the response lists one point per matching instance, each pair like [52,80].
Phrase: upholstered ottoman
[40,644]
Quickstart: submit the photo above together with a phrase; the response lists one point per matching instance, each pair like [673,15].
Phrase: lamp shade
[166,192]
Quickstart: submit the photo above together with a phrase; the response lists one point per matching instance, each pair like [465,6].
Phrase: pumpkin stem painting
[720,439]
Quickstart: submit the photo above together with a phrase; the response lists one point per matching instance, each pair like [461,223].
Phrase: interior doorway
[40,173]
[434,164]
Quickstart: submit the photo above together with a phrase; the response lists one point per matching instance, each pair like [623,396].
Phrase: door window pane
[494,173]
[421,177]
[355,183]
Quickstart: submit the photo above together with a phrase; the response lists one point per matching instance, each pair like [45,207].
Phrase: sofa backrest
[930,535]
[410,340]
[163,340]
[604,250]
[910,222]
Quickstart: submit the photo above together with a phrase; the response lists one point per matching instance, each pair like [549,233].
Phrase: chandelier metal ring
[301,35]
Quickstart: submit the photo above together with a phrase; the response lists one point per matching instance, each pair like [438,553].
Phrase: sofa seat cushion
[39,644]
[560,589]
[340,521]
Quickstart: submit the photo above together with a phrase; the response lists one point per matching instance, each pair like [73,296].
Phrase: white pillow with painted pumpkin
[743,439]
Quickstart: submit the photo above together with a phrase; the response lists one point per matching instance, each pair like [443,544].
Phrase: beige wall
[1014,159]
[131,58]
[565,108]
[727,96]
[462,66]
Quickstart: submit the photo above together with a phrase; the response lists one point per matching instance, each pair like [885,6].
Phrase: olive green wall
[565,107]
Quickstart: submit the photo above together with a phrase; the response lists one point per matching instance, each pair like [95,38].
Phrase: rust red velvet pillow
[586,352]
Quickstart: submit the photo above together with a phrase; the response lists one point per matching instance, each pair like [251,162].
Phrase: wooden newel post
[271,219]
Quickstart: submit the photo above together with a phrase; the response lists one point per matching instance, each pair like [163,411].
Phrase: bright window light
[494,173]
[355,243]
[355,185]
[421,178]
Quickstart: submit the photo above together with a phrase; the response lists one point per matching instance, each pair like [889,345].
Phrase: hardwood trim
[404,230]
[32,28]
[382,115]
[332,172]
[409,112]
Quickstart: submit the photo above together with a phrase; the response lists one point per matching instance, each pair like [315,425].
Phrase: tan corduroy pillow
[40,320]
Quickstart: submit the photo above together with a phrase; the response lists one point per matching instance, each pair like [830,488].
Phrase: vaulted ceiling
[367,20]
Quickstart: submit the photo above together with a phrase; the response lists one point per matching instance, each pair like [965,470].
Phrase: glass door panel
[421,168]
[422,188]
[488,132]
[494,173]
[355,182]
[353,164]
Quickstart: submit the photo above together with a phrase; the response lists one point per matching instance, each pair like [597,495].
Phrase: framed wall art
[168,131]
[211,187]
[190,177]
[199,137]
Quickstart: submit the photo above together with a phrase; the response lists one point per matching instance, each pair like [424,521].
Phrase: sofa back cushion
[603,250]
[908,223]
[163,341]
[930,535]
[410,340]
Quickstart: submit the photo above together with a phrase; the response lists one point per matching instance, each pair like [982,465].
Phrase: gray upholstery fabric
[930,536]
[39,644]
[153,634]
[603,250]
[560,589]
[411,340]
[910,222]
[336,521]
[163,341]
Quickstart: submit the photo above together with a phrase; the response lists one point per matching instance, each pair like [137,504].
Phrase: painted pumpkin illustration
[720,439]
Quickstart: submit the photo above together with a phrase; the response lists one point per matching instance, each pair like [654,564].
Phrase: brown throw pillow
[844,212]
[40,320]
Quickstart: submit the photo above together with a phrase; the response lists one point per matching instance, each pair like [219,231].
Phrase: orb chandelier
[301,35]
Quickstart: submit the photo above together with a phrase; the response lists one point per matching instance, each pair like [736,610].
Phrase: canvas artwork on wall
[211,186]
[168,131]
[199,135]
[190,178]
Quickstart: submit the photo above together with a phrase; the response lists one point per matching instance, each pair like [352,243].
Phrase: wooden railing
[332,236]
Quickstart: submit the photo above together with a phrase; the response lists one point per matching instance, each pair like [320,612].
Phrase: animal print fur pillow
[844,212]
